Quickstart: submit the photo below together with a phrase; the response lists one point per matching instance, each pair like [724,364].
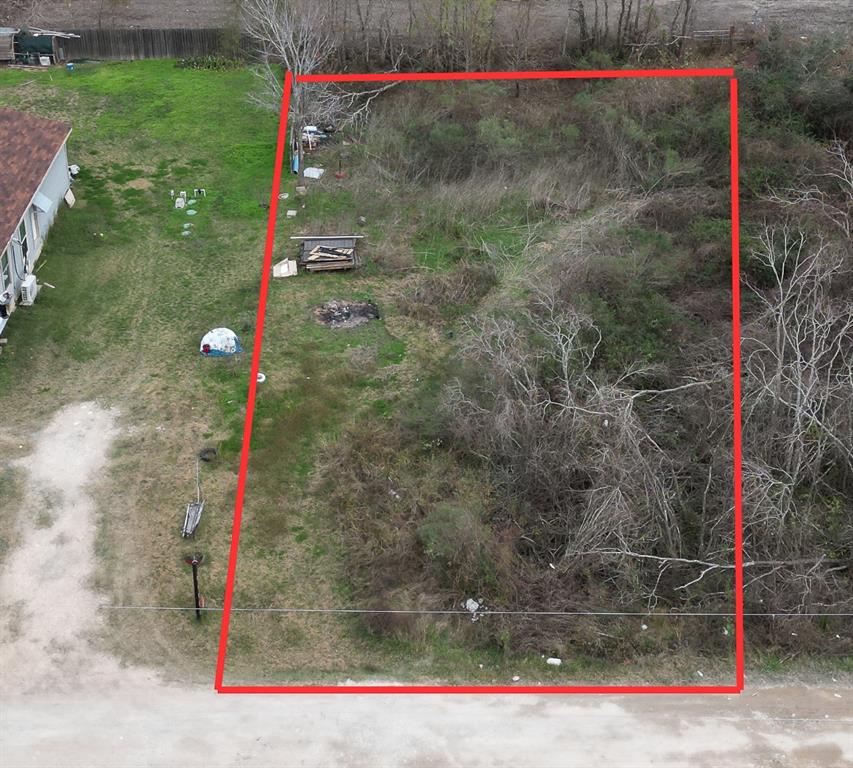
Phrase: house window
[25,245]
[5,275]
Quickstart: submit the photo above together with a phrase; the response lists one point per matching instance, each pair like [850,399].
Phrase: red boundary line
[572,74]
[736,394]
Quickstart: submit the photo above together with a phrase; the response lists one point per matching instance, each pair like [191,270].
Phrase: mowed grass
[132,298]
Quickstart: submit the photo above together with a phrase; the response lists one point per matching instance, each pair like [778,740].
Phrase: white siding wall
[54,186]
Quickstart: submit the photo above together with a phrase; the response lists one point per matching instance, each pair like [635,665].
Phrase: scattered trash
[284,268]
[313,172]
[344,314]
[186,233]
[291,213]
[515,678]
[199,192]
[262,377]
[193,201]
[283,196]
[725,631]
[837,695]
[644,627]
[74,169]
[301,190]
[69,198]
[191,212]
[183,194]
[220,342]
[474,607]
[552,566]
[172,193]
[361,221]
[180,203]
[700,674]
[554,662]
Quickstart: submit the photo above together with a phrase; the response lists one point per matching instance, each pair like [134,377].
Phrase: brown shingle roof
[28,145]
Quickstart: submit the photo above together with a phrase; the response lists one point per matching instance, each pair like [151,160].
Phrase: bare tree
[827,193]
[295,36]
[798,399]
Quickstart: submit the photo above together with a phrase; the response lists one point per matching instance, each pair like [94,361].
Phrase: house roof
[28,145]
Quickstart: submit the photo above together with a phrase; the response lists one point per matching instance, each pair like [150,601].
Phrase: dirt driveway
[66,704]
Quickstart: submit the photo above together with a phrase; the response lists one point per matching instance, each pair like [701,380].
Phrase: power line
[469,614]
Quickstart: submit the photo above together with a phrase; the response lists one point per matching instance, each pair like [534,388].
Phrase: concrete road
[163,726]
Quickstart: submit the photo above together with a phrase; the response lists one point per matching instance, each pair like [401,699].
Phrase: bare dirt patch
[140,183]
[50,611]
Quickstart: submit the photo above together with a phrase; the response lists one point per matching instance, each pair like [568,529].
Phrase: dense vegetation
[570,448]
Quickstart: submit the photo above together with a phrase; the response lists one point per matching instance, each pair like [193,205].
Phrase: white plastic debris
[262,377]
[183,194]
[291,213]
[474,607]
[180,203]
[283,196]
[284,268]
[701,674]
[644,627]
[191,212]
[552,566]
[515,678]
[74,169]
[554,662]
[314,173]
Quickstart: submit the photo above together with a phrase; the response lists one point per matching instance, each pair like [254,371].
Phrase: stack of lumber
[324,257]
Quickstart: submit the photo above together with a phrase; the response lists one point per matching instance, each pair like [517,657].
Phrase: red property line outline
[736,394]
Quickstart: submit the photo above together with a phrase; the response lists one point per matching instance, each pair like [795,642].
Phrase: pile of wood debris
[323,253]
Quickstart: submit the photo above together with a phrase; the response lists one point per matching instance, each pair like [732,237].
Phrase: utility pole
[195,561]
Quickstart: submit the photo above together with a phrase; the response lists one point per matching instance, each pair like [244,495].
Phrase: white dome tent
[220,342]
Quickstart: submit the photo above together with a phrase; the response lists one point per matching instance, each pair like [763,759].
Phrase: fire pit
[346,314]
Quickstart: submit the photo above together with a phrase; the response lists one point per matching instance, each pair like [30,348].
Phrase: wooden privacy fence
[152,43]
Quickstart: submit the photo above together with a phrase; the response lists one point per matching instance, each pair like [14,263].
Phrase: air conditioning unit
[29,291]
